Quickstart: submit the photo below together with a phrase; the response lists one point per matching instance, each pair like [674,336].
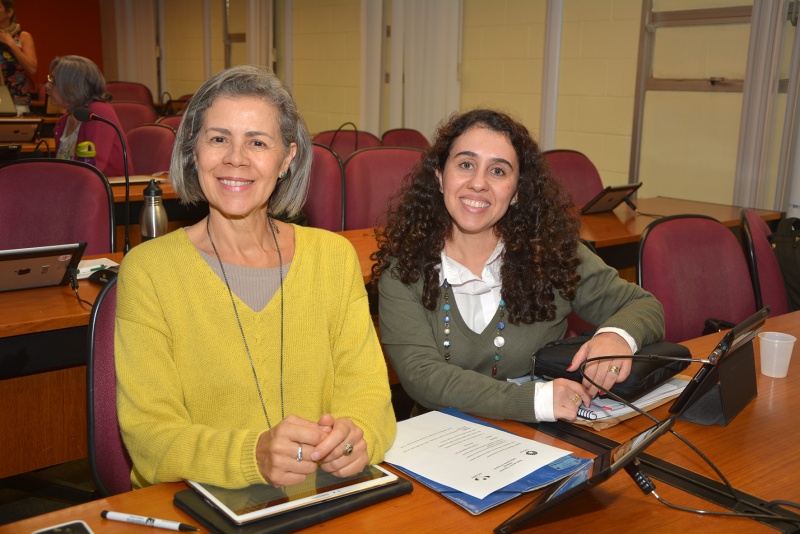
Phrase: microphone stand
[84,115]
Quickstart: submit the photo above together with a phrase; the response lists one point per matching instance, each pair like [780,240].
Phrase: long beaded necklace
[499,340]
[273,228]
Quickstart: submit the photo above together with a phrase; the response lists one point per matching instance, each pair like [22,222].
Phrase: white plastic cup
[776,353]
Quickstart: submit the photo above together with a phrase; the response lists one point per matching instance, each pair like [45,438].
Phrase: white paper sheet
[471,458]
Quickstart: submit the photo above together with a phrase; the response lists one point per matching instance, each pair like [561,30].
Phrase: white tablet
[259,501]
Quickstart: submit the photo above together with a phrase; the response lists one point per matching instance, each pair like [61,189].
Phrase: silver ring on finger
[299,456]
[348,449]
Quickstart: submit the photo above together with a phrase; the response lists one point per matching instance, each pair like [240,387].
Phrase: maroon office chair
[133,114]
[768,284]
[173,121]
[324,207]
[108,459]
[345,142]
[130,91]
[577,173]
[371,177]
[695,267]
[53,202]
[150,148]
[405,137]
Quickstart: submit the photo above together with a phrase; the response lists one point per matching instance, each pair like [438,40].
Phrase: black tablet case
[196,506]
[553,359]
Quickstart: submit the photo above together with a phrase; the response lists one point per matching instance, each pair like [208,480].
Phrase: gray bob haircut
[245,81]
[79,81]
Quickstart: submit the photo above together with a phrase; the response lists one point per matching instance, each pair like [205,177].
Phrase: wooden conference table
[756,451]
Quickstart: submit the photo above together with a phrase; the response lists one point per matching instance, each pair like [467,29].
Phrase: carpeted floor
[44,491]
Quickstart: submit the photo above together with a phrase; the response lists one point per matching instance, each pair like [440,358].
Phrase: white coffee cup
[776,353]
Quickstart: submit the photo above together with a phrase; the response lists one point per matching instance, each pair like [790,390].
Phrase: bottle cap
[152,189]
[85,150]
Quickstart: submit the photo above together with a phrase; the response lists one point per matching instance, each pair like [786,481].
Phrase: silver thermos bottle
[153,219]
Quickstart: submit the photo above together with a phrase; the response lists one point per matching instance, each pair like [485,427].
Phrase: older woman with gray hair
[76,82]
[245,351]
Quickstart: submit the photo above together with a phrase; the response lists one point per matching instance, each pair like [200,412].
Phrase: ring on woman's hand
[348,449]
[613,369]
[576,399]
[299,457]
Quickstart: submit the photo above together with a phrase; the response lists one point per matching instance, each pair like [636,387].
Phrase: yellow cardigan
[187,402]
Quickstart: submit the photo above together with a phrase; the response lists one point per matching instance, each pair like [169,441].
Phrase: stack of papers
[474,464]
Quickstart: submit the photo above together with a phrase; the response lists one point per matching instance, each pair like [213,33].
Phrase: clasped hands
[296,447]
[569,395]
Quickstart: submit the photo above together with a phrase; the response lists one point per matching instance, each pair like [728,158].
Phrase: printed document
[469,457]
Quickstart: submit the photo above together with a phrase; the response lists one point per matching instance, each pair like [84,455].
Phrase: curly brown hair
[540,230]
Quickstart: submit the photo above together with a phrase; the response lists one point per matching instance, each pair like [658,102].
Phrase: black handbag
[552,360]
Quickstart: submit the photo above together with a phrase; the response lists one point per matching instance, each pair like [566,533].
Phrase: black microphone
[84,115]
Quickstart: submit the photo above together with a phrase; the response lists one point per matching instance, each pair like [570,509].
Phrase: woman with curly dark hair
[479,265]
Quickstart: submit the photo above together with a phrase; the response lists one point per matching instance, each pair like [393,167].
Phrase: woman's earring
[283,175]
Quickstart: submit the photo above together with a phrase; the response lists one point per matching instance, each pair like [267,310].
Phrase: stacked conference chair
[695,267]
[405,137]
[345,141]
[132,114]
[130,91]
[173,121]
[324,207]
[577,173]
[46,202]
[108,459]
[372,176]
[768,284]
[150,147]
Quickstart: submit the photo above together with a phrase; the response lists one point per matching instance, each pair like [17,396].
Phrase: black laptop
[611,197]
[27,268]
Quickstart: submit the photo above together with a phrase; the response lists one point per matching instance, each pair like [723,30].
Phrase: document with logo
[469,457]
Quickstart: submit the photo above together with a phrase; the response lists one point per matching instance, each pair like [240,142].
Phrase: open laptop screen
[27,268]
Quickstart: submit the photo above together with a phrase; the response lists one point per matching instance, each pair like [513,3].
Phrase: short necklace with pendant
[273,228]
[499,340]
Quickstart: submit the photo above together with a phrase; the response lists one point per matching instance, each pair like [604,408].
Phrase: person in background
[75,82]
[245,351]
[478,267]
[17,57]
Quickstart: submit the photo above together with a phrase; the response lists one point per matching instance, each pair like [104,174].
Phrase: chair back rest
[53,202]
[324,207]
[131,91]
[345,142]
[151,148]
[133,114]
[173,121]
[371,178]
[108,459]
[768,284]
[577,173]
[405,137]
[695,267]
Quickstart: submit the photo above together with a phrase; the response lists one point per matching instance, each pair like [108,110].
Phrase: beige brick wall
[503,45]
[599,49]
[184,44]
[327,62]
